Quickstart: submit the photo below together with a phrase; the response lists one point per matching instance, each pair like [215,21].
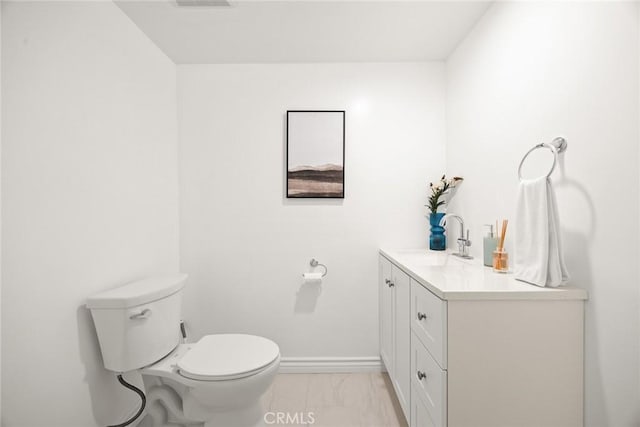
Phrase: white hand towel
[538,252]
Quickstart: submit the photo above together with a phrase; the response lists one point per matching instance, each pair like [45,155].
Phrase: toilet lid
[227,356]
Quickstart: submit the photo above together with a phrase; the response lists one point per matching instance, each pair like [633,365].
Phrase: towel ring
[557,146]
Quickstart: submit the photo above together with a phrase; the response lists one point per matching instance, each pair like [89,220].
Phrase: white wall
[1,6]
[527,73]
[89,187]
[245,245]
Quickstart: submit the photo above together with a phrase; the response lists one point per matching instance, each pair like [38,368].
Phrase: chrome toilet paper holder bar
[314,263]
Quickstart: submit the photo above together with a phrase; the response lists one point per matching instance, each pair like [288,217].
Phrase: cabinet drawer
[429,321]
[419,414]
[429,382]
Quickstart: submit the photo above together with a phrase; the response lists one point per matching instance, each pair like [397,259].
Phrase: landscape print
[315,154]
[316,181]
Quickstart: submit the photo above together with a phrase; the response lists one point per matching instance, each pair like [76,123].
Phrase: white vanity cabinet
[395,336]
[479,348]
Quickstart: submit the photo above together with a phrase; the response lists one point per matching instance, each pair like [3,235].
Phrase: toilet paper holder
[314,263]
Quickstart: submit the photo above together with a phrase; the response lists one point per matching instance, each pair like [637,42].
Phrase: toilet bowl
[220,379]
[217,381]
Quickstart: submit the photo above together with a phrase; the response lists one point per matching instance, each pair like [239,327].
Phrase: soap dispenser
[489,244]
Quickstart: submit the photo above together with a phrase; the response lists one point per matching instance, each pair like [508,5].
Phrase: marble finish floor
[333,400]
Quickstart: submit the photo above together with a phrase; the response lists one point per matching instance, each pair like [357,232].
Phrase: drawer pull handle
[421,316]
[421,375]
[389,283]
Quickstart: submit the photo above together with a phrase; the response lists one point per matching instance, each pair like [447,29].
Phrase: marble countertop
[453,278]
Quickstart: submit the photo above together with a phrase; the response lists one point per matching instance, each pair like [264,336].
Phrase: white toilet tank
[138,323]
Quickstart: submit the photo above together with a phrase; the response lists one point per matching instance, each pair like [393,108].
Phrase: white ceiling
[306,31]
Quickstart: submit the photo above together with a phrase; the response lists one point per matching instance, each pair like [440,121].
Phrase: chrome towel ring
[557,146]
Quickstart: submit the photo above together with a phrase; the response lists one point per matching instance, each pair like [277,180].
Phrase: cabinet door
[402,337]
[385,301]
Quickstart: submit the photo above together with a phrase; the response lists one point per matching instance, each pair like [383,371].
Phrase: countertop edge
[434,289]
[563,293]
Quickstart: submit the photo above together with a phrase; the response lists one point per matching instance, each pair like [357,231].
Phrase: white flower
[455,181]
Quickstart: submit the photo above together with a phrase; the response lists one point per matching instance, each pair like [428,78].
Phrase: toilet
[217,381]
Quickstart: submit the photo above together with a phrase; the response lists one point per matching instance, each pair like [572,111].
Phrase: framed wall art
[315,154]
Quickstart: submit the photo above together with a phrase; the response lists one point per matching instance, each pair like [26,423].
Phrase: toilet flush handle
[142,315]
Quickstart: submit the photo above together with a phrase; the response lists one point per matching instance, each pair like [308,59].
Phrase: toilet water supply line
[142,397]
[140,393]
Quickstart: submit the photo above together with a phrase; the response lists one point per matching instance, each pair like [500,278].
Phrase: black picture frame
[315,161]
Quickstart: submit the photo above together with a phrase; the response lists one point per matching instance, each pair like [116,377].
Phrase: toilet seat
[227,357]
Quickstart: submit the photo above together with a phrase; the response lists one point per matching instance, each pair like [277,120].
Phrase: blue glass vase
[437,239]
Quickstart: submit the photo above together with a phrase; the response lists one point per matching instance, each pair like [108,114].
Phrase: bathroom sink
[428,258]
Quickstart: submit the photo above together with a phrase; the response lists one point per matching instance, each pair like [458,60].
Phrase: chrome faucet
[463,242]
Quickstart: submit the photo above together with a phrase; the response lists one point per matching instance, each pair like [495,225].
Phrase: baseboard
[314,365]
